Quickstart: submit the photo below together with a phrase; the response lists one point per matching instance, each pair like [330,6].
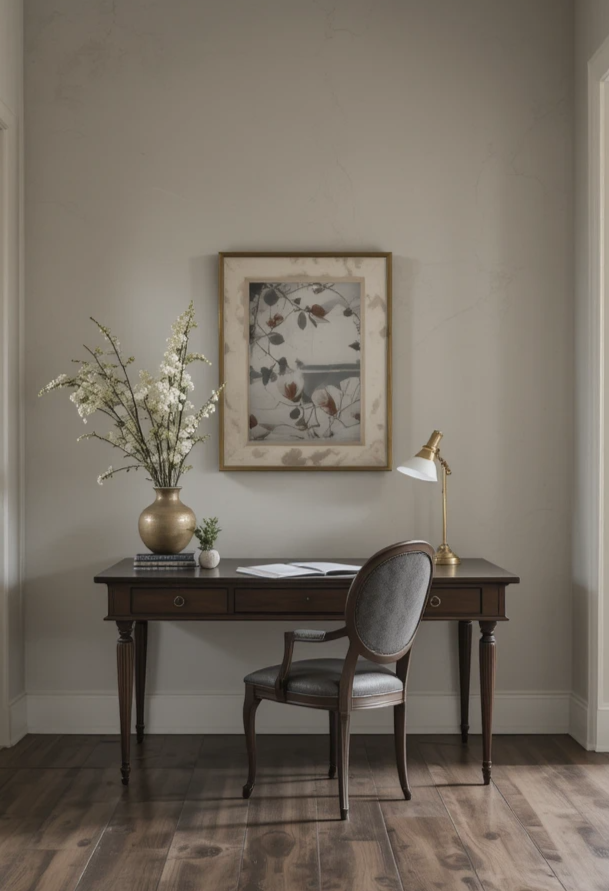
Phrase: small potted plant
[207,532]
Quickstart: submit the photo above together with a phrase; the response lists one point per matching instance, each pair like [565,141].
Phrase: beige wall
[12,661]
[11,54]
[160,133]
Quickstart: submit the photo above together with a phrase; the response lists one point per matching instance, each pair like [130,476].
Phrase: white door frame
[12,710]
[597,394]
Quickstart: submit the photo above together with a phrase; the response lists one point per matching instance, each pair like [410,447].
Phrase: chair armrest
[310,635]
[304,635]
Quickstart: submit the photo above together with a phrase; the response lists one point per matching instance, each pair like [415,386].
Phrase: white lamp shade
[420,469]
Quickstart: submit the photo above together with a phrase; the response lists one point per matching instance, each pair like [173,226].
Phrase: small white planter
[209,559]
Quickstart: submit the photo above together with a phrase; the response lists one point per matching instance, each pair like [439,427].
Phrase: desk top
[472,570]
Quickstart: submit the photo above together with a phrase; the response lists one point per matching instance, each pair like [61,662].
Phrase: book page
[278,570]
[330,568]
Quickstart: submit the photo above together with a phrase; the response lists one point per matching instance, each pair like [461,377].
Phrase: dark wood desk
[473,591]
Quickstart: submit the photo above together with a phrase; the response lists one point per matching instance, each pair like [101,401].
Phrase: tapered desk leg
[487,694]
[124,661]
[465,665]
[141,646]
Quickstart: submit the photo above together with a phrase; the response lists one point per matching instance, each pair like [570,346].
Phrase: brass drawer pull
[179,601]
[435,601]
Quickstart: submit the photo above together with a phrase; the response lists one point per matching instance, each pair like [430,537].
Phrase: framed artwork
[305,354]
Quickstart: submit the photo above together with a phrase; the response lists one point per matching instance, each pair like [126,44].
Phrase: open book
[294,570]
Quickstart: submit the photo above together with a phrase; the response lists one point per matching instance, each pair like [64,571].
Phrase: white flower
[55,384]
[196,357]
[104,476]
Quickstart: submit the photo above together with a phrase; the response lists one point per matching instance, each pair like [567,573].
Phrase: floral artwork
[305,353]
[305,356]
[155,425]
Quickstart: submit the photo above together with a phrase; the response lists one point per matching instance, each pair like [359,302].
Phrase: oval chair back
[387,599]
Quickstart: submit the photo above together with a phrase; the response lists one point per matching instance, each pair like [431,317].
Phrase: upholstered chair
[384,607]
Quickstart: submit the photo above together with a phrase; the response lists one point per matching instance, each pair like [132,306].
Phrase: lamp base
[445,556]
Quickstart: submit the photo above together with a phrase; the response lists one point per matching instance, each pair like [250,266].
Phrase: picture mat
[235,450]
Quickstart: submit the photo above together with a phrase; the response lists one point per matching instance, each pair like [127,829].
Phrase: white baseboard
[602,729]
[578,720]
[18,726]
[217,712]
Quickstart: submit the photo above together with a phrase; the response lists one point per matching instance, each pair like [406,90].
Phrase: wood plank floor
[67,823]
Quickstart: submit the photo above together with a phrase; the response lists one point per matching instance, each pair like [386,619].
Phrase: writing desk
[473,591]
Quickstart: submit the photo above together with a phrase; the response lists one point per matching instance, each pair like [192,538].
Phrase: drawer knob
[179,601]
[435,601]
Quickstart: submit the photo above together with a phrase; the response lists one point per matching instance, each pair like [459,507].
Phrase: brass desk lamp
[423,467]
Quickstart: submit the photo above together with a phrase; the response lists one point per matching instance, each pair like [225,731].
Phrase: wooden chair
[384,607]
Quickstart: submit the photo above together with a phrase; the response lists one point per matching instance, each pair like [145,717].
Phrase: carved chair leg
[333,744]
[343,764]
[249,725]
[399,733]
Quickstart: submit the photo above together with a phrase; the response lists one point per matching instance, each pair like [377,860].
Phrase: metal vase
[166,526]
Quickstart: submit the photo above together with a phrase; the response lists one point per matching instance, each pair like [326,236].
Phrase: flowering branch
[155,423]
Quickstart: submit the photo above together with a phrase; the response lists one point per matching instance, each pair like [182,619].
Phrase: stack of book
[185,560]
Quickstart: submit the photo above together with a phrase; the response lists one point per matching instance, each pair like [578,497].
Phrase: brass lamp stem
[445,556]
[444,475]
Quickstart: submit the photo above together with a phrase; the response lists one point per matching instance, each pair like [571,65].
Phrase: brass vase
[166,526]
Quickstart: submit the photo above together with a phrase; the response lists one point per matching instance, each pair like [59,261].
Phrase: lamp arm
[443,463]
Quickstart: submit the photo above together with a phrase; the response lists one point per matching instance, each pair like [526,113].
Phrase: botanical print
[305,357]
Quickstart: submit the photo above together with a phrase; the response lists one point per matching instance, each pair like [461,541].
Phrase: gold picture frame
[324,403]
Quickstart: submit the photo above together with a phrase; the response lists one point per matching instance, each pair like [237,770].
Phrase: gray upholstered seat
[320,677]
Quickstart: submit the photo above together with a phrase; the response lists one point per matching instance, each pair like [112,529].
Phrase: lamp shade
[420,469]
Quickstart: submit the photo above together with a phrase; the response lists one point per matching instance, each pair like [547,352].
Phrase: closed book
[164,562]
[159,567]
[164,565]
[185,556]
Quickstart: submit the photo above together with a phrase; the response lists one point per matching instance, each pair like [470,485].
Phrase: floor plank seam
[317,837]
[175,829]
[528,835]
[245,830]
[450,817]
[95,847]
[378,803]
[586,817]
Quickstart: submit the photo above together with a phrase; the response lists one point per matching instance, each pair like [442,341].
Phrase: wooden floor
[66,822]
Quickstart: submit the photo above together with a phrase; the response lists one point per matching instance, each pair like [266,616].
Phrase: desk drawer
[179,601]
[453,603]
[286,600]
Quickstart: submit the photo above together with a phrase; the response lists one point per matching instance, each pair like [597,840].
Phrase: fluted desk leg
[125,664]
[487,694]
[141,647]
[465,664]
